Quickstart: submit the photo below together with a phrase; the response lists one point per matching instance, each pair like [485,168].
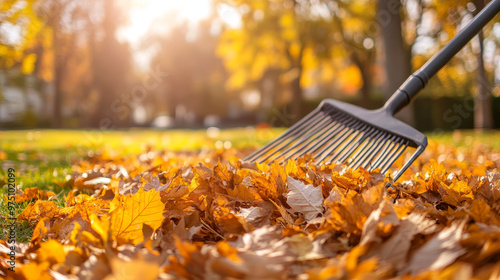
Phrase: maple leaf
[261,254]
[456,193]
[253,215]
[41,230]
[39,209]
[305,199]
[232,223]
[130,212]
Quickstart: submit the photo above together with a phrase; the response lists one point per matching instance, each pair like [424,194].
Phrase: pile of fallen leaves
[209,216]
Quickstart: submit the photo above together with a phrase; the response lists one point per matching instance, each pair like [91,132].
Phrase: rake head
[338,132]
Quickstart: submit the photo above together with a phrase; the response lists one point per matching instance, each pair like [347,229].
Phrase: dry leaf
[305,199]
[132,211]
[438,252]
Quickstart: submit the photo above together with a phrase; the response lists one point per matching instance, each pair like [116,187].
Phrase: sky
[143,13]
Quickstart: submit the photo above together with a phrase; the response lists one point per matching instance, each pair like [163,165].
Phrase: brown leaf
[305,199]
[439,252]
[379,224]
[395,249]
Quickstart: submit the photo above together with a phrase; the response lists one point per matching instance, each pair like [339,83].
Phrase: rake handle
[417,81]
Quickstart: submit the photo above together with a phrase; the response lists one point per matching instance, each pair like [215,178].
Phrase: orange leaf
[51,251]
[480,211]
[40,209]
[132,212]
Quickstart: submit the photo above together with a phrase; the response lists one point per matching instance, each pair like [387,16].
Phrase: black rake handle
[417,81]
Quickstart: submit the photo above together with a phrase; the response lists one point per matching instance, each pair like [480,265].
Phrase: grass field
[43,158]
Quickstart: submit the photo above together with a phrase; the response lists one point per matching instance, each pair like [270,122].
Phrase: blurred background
[111,64]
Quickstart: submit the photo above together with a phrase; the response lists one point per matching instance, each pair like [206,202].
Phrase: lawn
[54,160]
[43,158]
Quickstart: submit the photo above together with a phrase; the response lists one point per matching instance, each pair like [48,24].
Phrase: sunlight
[144,12]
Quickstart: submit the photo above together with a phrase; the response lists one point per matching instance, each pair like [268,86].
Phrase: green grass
[466,138]
[43,158]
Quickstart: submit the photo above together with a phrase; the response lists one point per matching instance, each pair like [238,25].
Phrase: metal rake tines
[333,136]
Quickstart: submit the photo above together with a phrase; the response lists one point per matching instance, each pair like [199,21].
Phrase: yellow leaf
[457,193]
[51,251]
[134,211]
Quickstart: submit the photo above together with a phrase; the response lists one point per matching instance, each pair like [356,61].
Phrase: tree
[397,54]
[71,44]
[467,74]
[48,43]
[358,39]
[110,67]
[483,118]
[277,35]
[195,85]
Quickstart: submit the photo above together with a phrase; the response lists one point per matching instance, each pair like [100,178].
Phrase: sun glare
[142,13]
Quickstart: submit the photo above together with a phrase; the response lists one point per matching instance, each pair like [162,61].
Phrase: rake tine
[327,133]
[352,133]
[313,131]
[394,158]
[385,147]
[291,140]
[336,142]
[417,153]
[293,134]
[378,139]
[389,153]
[352,142]
[353,148]
[322,135]
[303,123]
[341,135]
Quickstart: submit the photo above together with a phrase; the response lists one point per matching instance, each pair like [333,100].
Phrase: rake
[338,132]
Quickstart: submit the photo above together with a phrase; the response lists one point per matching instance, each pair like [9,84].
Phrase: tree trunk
[58,78]
[364,66]
[397,57]
[297,96]
[483,118]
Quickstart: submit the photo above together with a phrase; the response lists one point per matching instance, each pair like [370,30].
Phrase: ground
[451,189]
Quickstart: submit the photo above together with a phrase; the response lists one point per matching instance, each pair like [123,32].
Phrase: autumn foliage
[209,216]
